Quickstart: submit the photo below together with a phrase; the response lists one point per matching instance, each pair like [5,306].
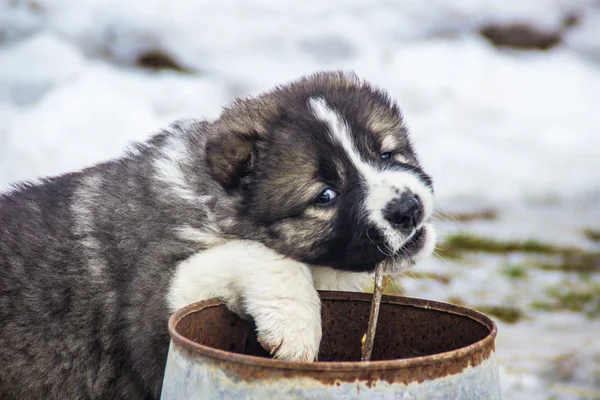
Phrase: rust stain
[416,340]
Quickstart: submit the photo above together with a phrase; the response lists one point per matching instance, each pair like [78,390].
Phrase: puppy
[306,187]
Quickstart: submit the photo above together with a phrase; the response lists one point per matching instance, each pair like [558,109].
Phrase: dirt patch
[508,314]
[592,234]
[526,36]
[159,60]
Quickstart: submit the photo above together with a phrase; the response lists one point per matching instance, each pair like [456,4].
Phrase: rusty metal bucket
[423,350]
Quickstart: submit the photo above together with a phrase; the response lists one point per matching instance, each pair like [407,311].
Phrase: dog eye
[326,197]
[386,156]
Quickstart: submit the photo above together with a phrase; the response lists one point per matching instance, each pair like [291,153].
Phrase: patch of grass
[576,301]
[571,259]
[545,306]
[466,242]
[458,301]
[515,271]
[582,296]
[592,234]
[481,215]
[508,314]
[580,263]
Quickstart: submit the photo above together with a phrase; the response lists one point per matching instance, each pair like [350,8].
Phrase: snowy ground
[512,131]
[545,350]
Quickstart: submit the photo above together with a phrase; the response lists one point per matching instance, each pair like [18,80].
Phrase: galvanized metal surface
[424,350]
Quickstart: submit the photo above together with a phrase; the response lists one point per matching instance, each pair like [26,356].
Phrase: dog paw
[292,330]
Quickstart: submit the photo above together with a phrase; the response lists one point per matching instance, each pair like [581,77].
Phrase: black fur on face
[295,159]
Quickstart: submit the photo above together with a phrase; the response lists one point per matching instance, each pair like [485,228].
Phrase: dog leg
[277,292]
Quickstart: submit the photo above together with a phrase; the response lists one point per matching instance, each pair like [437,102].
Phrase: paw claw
[268,347]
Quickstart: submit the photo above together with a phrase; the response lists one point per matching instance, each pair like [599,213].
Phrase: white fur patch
[252,279]
[339,130]
[327,278]
[83,201]
[208,238]
[382,185]
[168,169]
[389,143]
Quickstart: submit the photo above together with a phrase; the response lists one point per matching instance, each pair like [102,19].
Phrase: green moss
[456,300]
[570,259]
[544,306]
[480,215]
[592,234]
[466,242]
[573,262]
[508,314]
[572,301]
[576,301]
[581,296]
[514,271]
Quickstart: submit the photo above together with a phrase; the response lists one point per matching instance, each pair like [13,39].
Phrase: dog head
[324,172]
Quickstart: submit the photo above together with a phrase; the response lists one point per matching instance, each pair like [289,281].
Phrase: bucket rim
[484,347]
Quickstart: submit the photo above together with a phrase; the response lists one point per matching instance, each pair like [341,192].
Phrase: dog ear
[231,156]
[235,139]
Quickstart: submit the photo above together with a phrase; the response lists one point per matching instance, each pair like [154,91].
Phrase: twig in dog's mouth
[369,337]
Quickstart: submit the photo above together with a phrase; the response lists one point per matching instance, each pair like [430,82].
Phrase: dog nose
[403,212]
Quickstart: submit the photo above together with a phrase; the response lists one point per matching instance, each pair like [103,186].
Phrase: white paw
[253,280]
[291,330]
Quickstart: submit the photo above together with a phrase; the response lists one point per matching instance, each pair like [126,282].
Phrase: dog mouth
[413,246]
[412,251]
[414,242]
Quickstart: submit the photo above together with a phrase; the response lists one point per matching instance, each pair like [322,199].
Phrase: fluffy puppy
[308,186]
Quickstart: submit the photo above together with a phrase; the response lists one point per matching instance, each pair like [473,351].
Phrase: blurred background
[502,98]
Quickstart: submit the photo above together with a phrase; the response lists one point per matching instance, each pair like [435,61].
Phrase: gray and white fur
[306,187]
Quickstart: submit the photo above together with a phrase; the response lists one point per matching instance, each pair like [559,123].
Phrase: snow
[515,131]
[458,92]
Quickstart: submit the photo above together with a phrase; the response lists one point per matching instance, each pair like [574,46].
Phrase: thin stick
[369,337]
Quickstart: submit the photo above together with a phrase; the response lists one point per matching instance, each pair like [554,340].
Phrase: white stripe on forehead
[339,130]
